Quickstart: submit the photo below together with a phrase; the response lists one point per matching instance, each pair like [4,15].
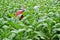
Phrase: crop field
[42,23]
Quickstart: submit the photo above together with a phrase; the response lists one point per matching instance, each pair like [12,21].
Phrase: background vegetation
[39,24]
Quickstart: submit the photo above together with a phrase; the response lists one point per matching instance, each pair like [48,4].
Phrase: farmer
[20,13]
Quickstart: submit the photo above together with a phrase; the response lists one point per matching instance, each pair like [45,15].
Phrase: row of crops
[38,24]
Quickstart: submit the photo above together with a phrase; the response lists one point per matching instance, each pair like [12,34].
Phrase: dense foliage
[39,24]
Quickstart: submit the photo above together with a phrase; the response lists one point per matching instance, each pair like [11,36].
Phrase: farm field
[41,20]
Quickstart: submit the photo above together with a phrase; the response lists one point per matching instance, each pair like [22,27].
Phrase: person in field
[19,13]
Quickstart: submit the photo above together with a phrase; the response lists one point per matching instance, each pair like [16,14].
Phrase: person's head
[23,8]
